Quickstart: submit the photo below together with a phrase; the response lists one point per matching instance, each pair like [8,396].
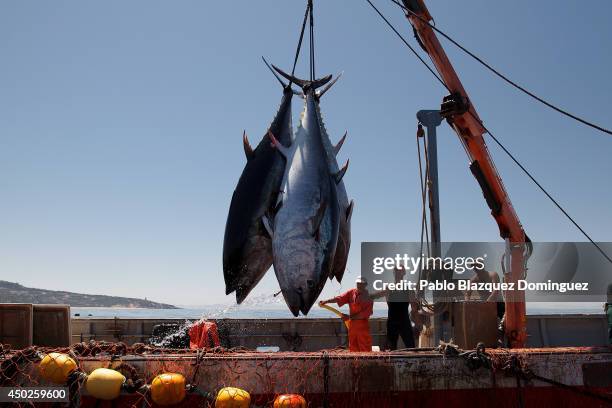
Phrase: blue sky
[121,124]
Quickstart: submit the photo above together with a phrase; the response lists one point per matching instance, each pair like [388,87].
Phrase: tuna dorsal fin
[278,145]
[248,150]
[267,225]
[340,143]
[349,210]
[338,176]
[317,219]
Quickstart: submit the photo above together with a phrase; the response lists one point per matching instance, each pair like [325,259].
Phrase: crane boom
[463,118]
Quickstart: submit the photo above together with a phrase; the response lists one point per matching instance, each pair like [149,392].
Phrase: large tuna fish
[346,207]
[247,246]
[305,226]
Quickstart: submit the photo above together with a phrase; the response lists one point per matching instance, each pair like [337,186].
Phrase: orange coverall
[360,306]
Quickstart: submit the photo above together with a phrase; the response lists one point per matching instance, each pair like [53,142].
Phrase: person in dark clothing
[398,317]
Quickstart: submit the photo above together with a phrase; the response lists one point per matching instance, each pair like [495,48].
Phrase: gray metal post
[431,119]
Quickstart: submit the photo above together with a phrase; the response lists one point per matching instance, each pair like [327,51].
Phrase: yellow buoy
[290,401]
[104,384]
[230,397]
[56,367]
[168,389]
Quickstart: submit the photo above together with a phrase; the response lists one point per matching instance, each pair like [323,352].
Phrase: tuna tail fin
[284,85]
[302,83]
[328,86]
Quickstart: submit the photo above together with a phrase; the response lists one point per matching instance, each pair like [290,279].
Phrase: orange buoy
[290,401]
[231,397]
[56,367]
[168,389]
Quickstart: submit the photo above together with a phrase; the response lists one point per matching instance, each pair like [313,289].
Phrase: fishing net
[332,378]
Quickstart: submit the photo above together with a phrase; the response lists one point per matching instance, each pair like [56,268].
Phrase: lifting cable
[512,157]
[502,76]
[299,46]
[424,179]
[312,45]
[432,308]
[308,17]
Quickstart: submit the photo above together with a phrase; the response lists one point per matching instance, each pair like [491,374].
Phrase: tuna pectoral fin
[267,225]
[338,176]
[304,84]
[278,145]
[248,150]
[317,219]
[340,143]
[274,210]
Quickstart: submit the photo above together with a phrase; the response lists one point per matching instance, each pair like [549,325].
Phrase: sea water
[277,310]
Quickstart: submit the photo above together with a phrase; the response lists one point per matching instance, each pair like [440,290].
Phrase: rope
[312,52]
[502,76]
[513,366]
[299,47]
[424,226]
[424,188]
[490,134]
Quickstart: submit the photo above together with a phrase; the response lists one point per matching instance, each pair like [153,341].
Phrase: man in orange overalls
[360,306]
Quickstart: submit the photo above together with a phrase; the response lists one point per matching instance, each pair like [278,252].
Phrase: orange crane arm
[463,118]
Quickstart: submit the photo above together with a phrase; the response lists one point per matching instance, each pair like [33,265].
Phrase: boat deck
[560,377]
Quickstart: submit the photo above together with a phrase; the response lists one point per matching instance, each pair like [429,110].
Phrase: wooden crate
[52,325]
[16,324]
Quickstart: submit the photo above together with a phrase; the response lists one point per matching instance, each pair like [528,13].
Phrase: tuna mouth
[294,301]
[305,304]
[297,301]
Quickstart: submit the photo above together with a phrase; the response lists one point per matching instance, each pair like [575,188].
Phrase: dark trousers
[397,328]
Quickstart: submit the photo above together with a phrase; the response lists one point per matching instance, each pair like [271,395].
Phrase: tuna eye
[310,284]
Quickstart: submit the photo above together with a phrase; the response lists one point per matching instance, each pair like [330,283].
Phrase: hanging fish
[345,206]
[305,228]
[247,246]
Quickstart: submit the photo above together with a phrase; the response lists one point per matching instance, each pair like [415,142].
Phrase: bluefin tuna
[306,222]
[247,246]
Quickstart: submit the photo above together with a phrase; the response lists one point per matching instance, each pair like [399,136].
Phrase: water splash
[180,337]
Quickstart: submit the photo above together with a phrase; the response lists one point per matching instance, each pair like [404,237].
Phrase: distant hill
[15,293]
